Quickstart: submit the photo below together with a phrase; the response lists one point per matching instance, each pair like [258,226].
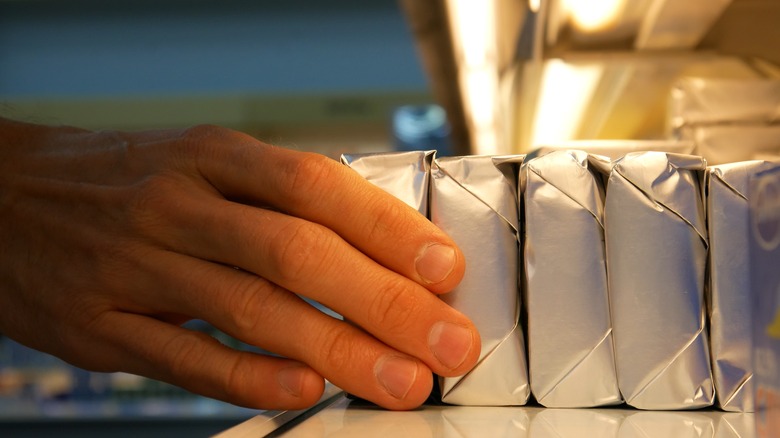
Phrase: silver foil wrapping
[764,251]
[404,175]
[657,246]
[615,149]
[474,200]
[729,120]
[570,351]
[731,143]
[703,101]
[730,299]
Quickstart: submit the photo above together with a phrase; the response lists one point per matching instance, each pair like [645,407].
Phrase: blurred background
[459,76]
[321,76]
[310,75]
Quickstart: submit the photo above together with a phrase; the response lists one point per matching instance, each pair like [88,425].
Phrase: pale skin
[112,240]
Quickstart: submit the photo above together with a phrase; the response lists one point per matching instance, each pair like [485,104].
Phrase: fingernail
[450,343]
[291,379]
[396,374]
[435,262]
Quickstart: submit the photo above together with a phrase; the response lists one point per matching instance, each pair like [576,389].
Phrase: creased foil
[731,143]
[765,283]
[730,300]
[697,101]
[729,120]
[404,175]
[570,351]
[474,200]
[657,245]
[614,149]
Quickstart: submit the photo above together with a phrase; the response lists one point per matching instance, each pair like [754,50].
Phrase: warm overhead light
[479,88]
[565,93]
[473,26]
[593,15]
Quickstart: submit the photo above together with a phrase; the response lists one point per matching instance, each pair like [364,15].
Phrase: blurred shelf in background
[322,76]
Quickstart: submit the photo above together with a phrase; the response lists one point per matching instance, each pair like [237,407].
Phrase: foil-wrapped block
[729,289]
[707,101]
[404,175]
[722,144]
[657,244]
[728,120]
[570,351]
[474,200]
[614,149]
[765,284]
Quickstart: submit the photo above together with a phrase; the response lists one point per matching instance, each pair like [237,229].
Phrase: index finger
[318,189]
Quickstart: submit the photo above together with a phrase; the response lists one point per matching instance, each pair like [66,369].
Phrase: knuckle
[195,134]
[150,199]
[206,142]
[299,251]
[237,379]
[308,174]
[336,346]
[246,306]
[390,308]
[185,352]
[388,218]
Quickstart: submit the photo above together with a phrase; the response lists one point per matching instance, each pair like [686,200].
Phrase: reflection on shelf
[346,418]
[34,385]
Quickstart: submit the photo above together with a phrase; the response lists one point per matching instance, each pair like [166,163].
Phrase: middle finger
[313,261]
[260,313]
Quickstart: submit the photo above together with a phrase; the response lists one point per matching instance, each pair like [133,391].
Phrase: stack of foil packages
[593,281]
[728,120]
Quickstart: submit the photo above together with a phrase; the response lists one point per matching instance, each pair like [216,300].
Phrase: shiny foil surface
[656,240]
[730,299]
[404,175]
[729,120]
[704,101]
[474,200]
[764,251]
[570,350]
[717,143]
[614,149]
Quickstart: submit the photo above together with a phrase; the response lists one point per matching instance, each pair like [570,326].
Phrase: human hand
[112,240]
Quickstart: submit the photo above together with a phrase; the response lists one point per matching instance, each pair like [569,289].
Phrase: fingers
[313,261]
[200,364]
[260,313]
[322,191]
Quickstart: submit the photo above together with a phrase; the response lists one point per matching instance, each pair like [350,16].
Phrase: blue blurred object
[422,127]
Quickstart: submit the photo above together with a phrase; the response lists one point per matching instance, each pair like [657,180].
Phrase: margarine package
[614,149]
[721,144]
[765,284]
[729,289]
[657,244]
[474,200]
[404,175]
[570,351]
[709,101]
[728,120]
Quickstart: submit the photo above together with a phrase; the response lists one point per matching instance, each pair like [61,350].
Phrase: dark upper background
[310,74]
